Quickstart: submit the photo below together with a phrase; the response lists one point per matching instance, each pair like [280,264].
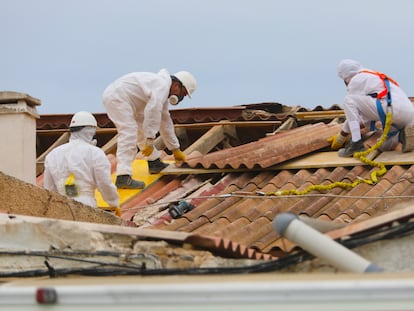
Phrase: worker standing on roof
[369,96]
[77,168]
[137,103]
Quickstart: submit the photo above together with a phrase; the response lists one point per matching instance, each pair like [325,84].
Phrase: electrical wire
[103,268]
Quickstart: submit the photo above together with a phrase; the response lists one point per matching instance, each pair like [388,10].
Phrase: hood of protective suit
[347,68]
[86,134]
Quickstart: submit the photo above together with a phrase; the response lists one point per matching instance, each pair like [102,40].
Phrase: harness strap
[386,92]
[383,77]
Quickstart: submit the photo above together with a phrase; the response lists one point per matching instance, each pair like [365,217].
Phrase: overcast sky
[65,52]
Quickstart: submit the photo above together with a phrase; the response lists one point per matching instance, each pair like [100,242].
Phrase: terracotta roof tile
[270,150]
[248,220]
[253,231]
[226,247]
[230,219]
[150,195]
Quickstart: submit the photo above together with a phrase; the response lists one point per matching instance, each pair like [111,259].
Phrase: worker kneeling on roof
[77,168]
[370,95]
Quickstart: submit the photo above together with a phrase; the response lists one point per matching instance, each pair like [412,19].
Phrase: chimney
[18,116]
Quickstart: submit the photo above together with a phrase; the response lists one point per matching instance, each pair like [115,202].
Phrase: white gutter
[349,294]
[318,244]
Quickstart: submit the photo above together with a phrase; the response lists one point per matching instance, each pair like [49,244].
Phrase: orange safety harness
[386,92]
[383,77]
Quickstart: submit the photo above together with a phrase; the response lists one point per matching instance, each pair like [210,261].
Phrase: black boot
[354,146]
[156,166]
[126,182]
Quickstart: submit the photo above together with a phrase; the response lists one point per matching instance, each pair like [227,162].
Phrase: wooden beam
[287,125]
[326,114]
[111,130]
[110,146]
[208,141]
[233,123]
[64,138]
[231,132]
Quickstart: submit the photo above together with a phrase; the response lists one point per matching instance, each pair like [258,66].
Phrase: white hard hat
[347,68]
[188,81]
[83,118]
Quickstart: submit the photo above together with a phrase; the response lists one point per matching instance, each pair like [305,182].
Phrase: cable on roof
[105,268]
[362,156]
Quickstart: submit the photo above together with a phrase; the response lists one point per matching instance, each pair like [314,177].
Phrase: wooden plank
[326,114]
[233,123]
[314,160]
[318,160]
[331,159]
[396,157]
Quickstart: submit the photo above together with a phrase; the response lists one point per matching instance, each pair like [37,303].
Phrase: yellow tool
[71,189]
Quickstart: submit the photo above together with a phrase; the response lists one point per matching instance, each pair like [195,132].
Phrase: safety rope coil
[359,155]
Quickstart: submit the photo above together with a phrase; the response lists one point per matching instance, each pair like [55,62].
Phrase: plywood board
[318,160]
[396,157]
[314,160]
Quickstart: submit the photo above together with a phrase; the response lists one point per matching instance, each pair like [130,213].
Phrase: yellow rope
[359,155]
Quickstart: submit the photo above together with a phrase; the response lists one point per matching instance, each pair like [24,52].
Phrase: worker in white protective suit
[370,95]
[137,103]
[77,168]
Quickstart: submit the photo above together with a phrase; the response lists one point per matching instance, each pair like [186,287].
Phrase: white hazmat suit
[89,165]
[360,107]
[137,103]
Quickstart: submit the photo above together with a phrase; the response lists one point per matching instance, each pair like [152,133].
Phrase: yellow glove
[337,141]
[178,155]
[118,211]
[149,147]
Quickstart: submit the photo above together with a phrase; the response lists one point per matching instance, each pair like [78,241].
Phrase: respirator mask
[174,99]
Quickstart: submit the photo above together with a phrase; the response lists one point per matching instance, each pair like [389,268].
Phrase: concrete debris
[19,197]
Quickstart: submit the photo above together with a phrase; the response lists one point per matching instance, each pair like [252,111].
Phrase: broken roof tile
[230,216]
[270,150]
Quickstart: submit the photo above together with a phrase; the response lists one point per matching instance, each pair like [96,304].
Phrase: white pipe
[318,244]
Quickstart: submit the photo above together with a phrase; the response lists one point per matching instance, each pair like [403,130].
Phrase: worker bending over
[137,103]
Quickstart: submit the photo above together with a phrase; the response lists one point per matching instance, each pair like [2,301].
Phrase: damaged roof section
[238,159]
[270,150]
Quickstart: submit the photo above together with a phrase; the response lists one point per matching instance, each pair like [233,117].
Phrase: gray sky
[65,52]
